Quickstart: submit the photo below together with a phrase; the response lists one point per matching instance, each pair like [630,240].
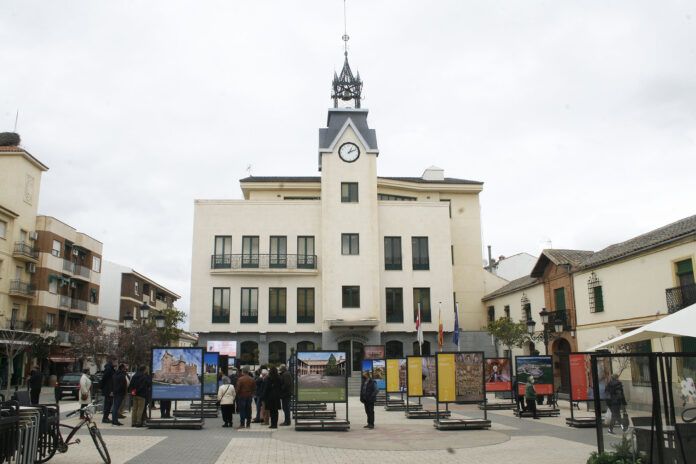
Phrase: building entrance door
[354,351]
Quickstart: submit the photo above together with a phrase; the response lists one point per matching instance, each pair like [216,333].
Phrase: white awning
[679,324]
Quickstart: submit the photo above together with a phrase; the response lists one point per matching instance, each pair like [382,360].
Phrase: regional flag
[419,328]
[440,331]
[455,338]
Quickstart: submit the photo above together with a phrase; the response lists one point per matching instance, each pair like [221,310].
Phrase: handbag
[84,396]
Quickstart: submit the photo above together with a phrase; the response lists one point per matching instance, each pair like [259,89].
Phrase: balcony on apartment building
[680,297]
[23,251]
[16,324]
[264,263]
[67,302]
[78,271]
[22,289]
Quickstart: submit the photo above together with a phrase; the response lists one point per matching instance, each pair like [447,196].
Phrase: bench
[299,415]
[323,425]
[427,414]
[175,423]
[462,424]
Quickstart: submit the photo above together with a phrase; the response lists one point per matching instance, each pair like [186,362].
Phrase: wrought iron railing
[16,324]
[680,297]
[23,288]
[64,301]
[421,263]
[392,263]
[24,249]
[263,261]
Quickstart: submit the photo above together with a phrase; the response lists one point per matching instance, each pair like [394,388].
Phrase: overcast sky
[580,117]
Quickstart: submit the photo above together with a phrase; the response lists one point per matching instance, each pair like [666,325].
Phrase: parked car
[68,385]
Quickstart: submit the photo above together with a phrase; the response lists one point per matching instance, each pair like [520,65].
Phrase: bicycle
[57,443]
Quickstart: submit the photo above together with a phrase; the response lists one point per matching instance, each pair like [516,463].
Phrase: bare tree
[15,342]
[91,341]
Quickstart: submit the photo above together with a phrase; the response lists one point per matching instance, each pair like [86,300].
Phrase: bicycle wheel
[99,443]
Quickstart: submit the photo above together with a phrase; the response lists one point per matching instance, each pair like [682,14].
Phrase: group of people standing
[270,390]
[116,384]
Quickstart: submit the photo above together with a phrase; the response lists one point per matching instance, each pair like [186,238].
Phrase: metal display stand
[394,400]
[442,422]
[578,421]
[552,411]
[314,415]
[500,405]
[182,419]
[416,411]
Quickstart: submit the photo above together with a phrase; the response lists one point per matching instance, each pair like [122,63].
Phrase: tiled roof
[674,231]
[11,148]
[574,258]
[418,180]
[513,286]
[281,179]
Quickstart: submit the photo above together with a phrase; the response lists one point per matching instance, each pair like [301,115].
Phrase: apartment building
[341,260]
[124,291]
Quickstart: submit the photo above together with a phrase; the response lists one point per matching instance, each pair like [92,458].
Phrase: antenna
[16,118]
[248,170]
[345,37]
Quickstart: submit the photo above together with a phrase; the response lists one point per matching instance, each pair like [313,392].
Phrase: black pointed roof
[346,87]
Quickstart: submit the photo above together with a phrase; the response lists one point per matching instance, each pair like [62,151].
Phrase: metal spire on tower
[346,87]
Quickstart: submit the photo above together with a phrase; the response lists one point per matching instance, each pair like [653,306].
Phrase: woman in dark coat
[271,396]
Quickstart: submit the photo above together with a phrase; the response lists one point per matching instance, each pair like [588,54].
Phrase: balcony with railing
[680,297]
[250,263]
[421,263]
[16,324]
[76,270]
[22,289]
[25,252]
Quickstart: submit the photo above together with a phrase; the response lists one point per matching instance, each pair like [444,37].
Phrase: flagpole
[456,322]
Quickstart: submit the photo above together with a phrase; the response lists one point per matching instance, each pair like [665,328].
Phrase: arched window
[305,346]
[249,353]
[276,353]
[426,349]
[395,349]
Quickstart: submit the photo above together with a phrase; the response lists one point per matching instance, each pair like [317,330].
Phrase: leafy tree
[510,334]
[42,345]
[171,331]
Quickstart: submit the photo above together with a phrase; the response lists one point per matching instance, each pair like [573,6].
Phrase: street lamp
[128,321]
[144,311]
[544,314]
[550,328]
[159,321]
[530,326]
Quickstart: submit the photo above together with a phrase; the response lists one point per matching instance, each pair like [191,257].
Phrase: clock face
[349,152]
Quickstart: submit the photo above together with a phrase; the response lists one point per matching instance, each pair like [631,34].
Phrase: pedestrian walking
[272,394]
[138,388]
[245,389]
[530,396]
[85,392]
[616,401]
[35,383]
[106,386]
[258,394]
[226,397]
[119,388]
[287,389]
[519,399]
[368,397]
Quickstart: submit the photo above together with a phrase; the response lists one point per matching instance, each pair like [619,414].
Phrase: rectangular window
[55,249]
[395,305]
[305,305]
[93,295]
[598,299]
[559,299]
[527,309]
[96,263]
[419,247]
[351,297]
[250,251]
[685,272]
[279,251]
[640,366]
[387,197]
[506,309]
[136,288]
[222,252]
[249,312]
[221,305]
[392,253]
[52,284]
[277,299]
[350,244]
[422,296]
[50,320]
[349,192]
[491,313]
[306,258]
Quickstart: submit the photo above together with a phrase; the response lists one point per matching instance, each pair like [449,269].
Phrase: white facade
[110,301]
[444,212]
[515,266]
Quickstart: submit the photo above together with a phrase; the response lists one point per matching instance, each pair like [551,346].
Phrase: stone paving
[394,440]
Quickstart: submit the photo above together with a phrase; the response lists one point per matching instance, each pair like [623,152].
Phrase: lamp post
[128,321]
[144,311]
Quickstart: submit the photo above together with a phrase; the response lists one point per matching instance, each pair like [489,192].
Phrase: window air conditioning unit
[34,235]
[31,268]
[75,252]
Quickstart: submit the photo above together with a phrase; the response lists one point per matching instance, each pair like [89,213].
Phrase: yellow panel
[415,376]
[446,385]
[392,376]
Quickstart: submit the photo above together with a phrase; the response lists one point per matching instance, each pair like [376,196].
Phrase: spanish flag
[440,331]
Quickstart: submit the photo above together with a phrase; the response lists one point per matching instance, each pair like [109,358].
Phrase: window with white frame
[52,285]
[96,263]
[55,248]
[136,288]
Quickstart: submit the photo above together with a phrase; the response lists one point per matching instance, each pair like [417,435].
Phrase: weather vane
[345,37]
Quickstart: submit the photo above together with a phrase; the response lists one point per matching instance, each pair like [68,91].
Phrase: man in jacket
[106,387]
[368,397]
[287,388]
[616,401]
[245,392]
[139,389]
[35,384]
[530,396]
[119,387]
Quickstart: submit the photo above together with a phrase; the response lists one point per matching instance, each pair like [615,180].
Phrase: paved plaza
[394,440]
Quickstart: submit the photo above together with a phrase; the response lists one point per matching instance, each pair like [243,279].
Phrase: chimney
[433,173]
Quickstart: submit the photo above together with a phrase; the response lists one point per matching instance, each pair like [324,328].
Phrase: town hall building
[341,260]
